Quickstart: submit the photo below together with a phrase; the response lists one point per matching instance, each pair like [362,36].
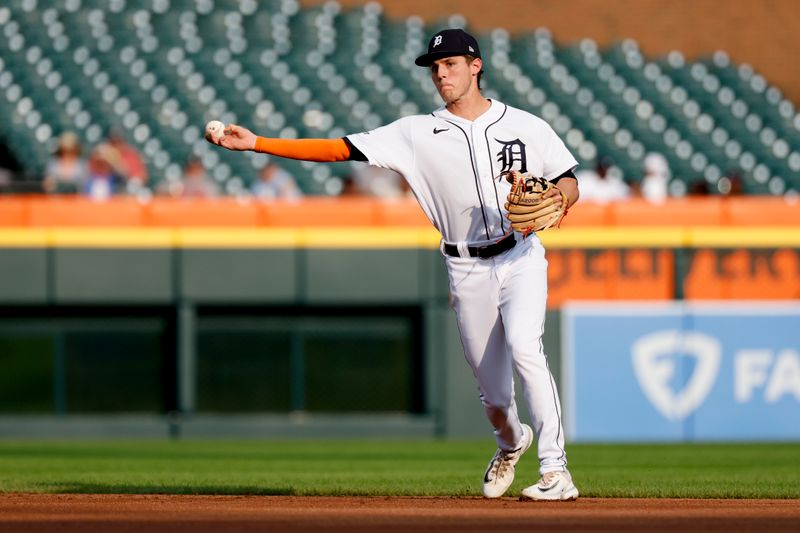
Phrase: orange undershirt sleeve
[322,150]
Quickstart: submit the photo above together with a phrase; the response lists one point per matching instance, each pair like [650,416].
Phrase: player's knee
[525,346]
[498,399]
[497,405]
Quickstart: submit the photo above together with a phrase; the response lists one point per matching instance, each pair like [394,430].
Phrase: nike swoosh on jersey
[437,130]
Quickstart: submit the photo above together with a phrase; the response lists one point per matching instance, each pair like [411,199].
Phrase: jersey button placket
[483,164]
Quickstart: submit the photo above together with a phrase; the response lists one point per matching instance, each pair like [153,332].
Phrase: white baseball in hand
[215,129]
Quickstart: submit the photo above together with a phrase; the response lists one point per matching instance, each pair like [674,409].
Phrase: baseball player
[453,160]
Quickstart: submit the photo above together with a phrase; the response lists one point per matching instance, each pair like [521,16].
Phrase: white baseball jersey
[453,165]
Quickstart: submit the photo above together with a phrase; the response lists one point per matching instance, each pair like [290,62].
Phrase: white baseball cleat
[553,486]
[500,472]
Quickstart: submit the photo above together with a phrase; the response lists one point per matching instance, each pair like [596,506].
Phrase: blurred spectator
[276,183]
[656,177]
[66,171]
[699,188]
[5,178]
[105,173]
[196,183]
[731,184]
[8,165]
[350,187]
[376,181]
[133,168]
[408,192]
[600,185]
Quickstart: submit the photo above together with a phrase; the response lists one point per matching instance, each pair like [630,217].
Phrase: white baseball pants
[500,306]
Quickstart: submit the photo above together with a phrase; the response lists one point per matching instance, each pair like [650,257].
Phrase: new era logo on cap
[447,43]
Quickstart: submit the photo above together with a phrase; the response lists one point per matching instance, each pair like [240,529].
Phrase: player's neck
[470,106]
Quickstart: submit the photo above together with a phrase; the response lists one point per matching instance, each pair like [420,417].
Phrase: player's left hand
[534,204]
[557,195]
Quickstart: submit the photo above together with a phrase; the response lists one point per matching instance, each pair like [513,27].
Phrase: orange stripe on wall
[43,211]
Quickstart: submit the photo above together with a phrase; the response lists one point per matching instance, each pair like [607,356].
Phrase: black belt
[490,250]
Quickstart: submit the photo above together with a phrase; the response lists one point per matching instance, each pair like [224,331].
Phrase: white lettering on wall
[779,374]
[785,377]
[749,372]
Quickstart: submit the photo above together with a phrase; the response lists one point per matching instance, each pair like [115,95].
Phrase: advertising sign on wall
[650,274]
[681,371]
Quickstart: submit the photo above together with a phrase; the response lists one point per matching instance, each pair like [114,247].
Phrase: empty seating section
[157,70]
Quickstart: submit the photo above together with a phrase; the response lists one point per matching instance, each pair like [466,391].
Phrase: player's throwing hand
[237,138]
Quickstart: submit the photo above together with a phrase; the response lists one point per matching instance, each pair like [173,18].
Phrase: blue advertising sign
[681,372]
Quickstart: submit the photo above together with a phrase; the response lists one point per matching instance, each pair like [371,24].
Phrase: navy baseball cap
[448,43]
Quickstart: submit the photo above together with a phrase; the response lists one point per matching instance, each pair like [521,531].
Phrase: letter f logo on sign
[437,41]
[656,362]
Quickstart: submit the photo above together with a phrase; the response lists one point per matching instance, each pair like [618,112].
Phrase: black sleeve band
[567,174]
[355,153]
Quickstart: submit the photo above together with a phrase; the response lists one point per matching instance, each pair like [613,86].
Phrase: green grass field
[377,468]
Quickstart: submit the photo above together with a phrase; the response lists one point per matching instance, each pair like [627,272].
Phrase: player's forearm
[569,186]
[321,150]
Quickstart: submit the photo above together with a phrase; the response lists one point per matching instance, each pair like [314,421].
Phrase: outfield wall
[271,329]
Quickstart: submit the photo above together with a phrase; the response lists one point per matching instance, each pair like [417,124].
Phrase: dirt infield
[200,514]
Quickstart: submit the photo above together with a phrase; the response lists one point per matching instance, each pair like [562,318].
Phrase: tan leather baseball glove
[528,209]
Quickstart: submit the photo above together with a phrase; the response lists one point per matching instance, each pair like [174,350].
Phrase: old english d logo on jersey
[510,153]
